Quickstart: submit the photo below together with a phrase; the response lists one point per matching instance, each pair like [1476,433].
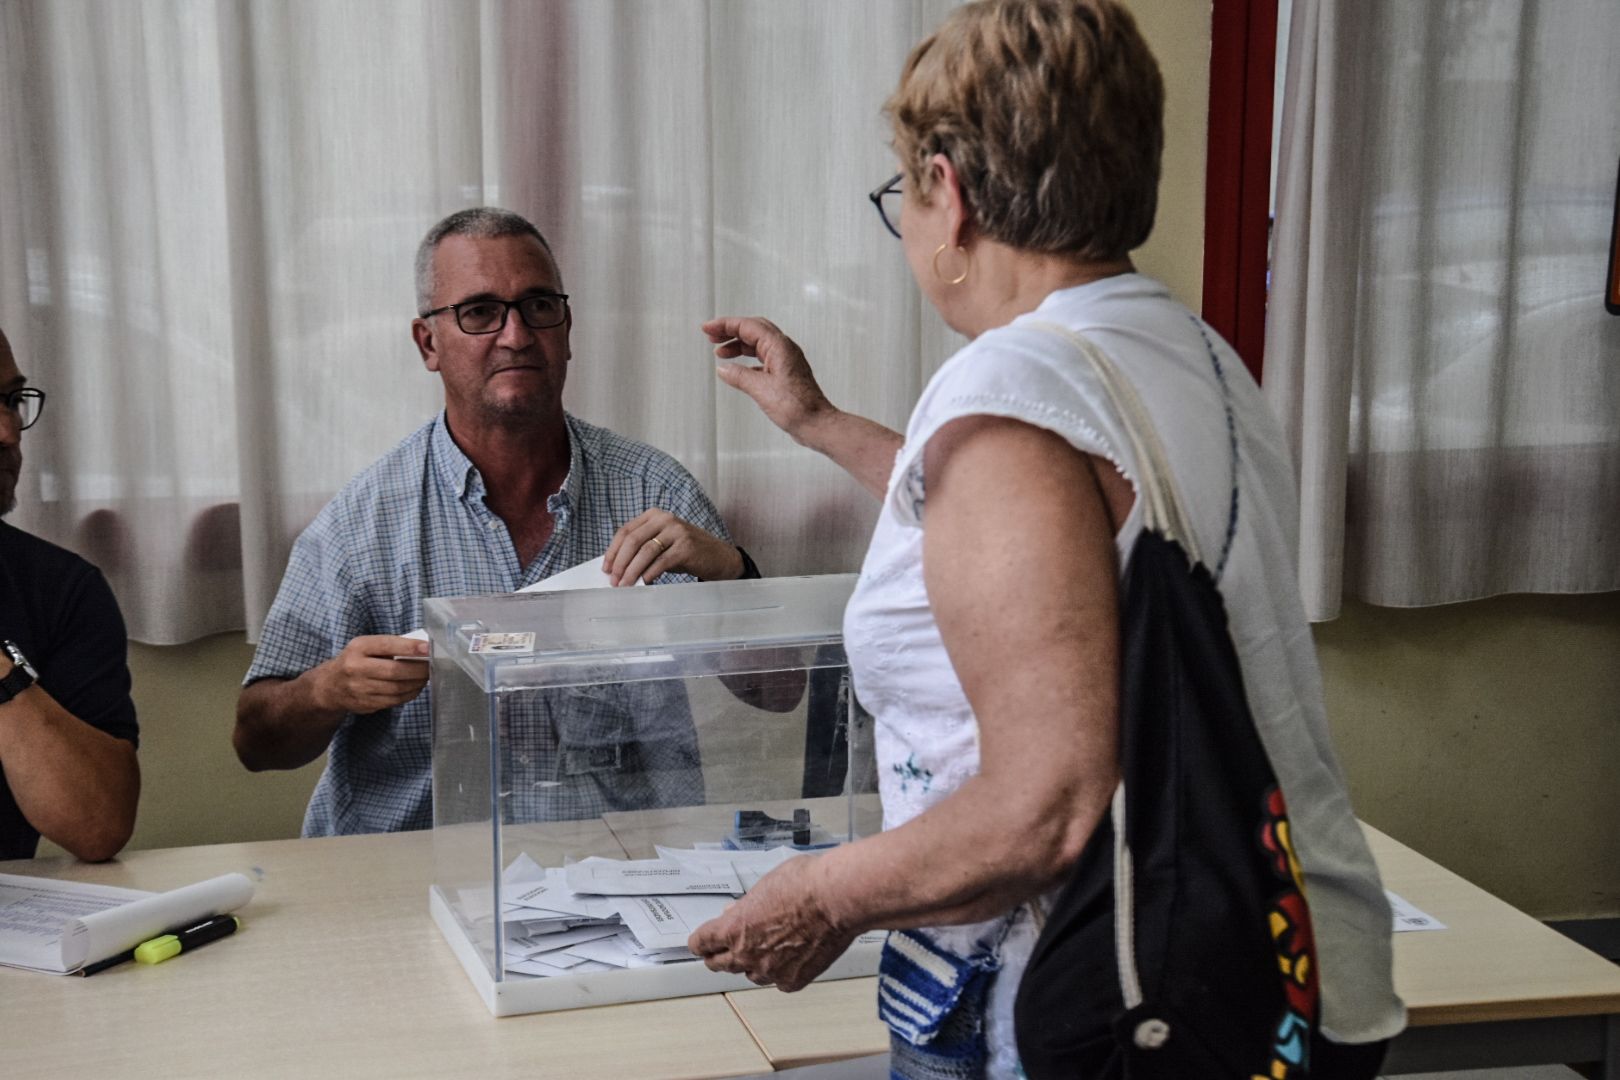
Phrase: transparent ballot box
[611,767]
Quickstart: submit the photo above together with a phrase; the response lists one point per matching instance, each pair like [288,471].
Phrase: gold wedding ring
[660,544]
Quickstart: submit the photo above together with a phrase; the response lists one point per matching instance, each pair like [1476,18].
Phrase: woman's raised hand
[783,385]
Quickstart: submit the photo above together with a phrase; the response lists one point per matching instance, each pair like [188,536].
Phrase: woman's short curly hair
[1052,112]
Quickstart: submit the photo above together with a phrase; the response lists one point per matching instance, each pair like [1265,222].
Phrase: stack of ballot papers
[604,914]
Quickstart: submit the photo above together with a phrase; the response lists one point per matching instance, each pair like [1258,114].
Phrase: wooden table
[337,971]
[1495,989]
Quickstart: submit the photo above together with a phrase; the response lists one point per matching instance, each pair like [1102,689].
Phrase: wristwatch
[21,676]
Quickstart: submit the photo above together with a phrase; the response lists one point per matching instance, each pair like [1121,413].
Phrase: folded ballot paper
[59,927]
[603,914]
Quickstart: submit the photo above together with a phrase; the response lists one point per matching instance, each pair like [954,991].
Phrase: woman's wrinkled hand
[779,933]
[783,385]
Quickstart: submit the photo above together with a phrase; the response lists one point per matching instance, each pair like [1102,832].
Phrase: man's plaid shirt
[414,525]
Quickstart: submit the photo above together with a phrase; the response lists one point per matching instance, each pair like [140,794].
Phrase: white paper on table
[530,967]
[531,947]
[749,866]
[59,926]
[1408,917]
[665,922]
[556,896]
[653,956]
[522,869]
[541,897]
[609,950]
[536,967]
[617,953]
[560,960]
[649,877]
[538,927]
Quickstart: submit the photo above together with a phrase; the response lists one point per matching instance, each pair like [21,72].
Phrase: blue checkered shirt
[414,525]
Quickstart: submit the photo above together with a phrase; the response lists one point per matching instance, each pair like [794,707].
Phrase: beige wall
[1487,736]
[194,791]
[1482,734]
[1178,31]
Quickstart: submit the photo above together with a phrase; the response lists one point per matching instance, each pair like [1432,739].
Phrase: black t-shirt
[61,614]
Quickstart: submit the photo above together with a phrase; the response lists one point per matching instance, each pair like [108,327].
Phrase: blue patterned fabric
[414,525]
[932,999]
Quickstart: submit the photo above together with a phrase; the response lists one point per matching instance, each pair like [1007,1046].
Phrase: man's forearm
[863,448]
[282,723]
[76,784]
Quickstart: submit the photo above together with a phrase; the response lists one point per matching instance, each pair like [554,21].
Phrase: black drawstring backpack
[1181,947]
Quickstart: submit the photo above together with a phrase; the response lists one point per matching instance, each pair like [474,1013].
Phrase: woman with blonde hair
[984,634]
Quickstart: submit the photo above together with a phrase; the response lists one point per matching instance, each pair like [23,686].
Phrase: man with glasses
[67,724]
[502,489]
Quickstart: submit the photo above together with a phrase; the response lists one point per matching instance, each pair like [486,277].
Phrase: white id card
[522,642]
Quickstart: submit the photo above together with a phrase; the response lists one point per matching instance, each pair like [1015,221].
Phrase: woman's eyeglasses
[889,189]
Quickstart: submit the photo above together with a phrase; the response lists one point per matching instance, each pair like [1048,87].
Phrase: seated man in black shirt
[67,724]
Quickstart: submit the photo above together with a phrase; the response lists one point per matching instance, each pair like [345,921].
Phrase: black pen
[185,939]
[112,961]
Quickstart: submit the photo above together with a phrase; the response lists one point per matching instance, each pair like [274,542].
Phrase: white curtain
[208,210]
[1437,346]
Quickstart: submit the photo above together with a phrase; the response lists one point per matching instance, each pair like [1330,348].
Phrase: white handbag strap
[1156,485]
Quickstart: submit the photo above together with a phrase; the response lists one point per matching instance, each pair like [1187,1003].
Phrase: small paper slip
[415,635]
[652,956]
[531,967]
[587,575]
[555,895]
[530,947]
[608,950]
[649,877]
[1408,917]
[529,901]
[537,927]
[560,960]
[521,869]
[665,922]
[60,926]
[535,967]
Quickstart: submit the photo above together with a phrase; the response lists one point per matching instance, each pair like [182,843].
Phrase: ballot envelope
[614,766]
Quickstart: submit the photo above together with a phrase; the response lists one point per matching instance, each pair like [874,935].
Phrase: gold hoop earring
[960,278]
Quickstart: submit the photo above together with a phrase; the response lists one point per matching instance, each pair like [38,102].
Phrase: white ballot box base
[516,995]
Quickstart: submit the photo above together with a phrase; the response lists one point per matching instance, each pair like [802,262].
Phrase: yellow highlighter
[186,938]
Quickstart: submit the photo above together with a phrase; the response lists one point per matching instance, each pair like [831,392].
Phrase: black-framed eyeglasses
[25,404]
[538,312]
[889,187]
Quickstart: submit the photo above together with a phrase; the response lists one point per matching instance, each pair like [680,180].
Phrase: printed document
[60,926]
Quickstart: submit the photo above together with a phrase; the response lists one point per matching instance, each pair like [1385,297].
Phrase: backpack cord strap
[1162,509]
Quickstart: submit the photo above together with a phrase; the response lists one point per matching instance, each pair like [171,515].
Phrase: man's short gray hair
[482,222]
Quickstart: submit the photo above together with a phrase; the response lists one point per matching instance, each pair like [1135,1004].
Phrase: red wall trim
[1237,192]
